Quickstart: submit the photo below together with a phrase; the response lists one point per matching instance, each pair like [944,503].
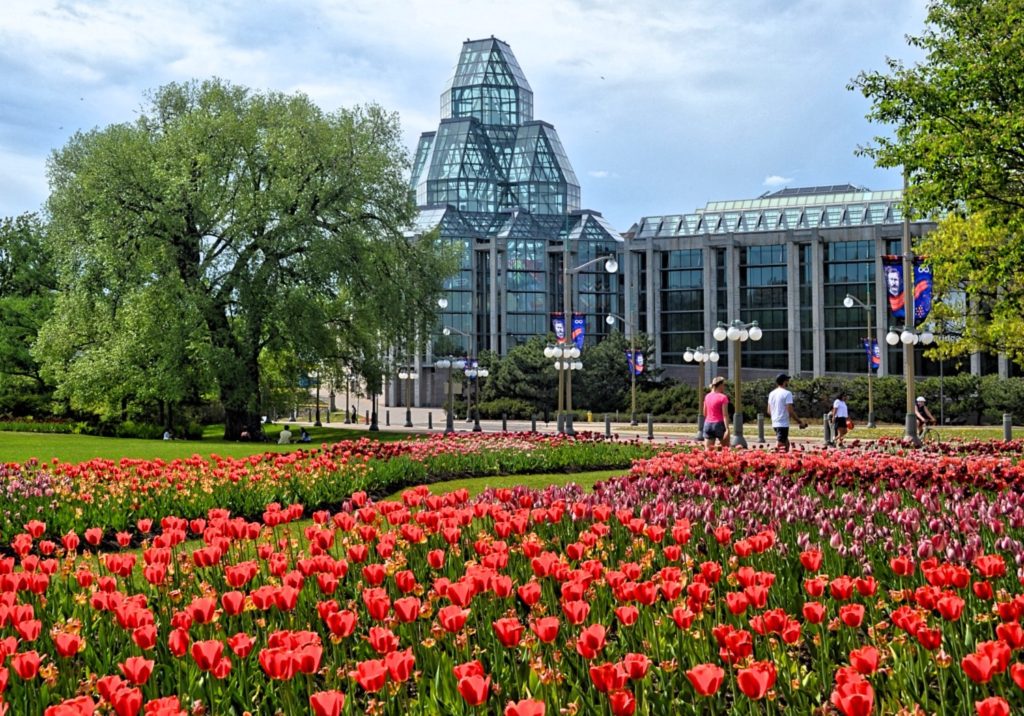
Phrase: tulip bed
[113,495]
[857,582]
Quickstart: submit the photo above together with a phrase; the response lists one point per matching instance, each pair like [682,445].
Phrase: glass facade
[682,304]
[498,185]
[763,299]
[849,268]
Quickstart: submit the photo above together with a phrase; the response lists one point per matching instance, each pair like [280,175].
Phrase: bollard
[387,417]
[430,421]
[1007,426]
[504,422]
[760,428]
[367,417]
[650,426]
[533,423]
[699,437]
[607,425]
[828,429]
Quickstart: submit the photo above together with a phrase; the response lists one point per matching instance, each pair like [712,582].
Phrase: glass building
[786,260]
[498,185]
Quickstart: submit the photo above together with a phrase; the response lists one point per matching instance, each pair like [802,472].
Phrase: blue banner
[636,362]
[873,351]
[893,268]
[558,326]
[579,326]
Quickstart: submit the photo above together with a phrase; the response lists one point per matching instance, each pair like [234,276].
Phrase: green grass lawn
[19,447]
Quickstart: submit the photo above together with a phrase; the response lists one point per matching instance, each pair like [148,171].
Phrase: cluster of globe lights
[565,357]
[701,356]
[908,338]
[738,333]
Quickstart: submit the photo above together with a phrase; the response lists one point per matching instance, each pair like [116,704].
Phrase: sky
[661,105]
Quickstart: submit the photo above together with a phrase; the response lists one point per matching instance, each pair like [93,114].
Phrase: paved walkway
[432,420]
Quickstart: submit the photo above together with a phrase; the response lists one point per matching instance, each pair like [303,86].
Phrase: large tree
[958,131]
[27,288]
[224,223]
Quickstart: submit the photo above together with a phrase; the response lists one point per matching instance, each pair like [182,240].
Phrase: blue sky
[662,105]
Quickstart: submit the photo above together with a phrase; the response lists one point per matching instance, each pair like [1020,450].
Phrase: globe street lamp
[610,320]
[565,357]
[851,301]
[738,333]
[611,266]
[700,355]
[473,373]
[316,377]
[408,373]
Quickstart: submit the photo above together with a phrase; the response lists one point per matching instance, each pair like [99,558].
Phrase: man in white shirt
[285,437]
[780,407]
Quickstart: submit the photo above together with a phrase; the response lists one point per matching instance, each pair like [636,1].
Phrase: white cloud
[602,174]
[774,180]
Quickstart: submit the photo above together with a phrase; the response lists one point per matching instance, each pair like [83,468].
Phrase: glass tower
[497,183]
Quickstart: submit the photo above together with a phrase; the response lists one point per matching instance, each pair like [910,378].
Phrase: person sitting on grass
[285,437]
[304,436]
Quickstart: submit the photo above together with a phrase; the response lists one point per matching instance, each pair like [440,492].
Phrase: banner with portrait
[558,326]
[635,361]
[874,353]
[892,266]
[579,327]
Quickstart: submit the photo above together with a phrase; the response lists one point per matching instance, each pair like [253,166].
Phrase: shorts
[782,434]
[714,431]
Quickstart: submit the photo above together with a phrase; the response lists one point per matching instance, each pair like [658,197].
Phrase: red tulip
[526,707]
[576,612]
[636,665]
[475,689]
[950,606]
[929,638]
[241,644]
[137,669]
[608,677]
[370,674]
[530,593]
[67,645]
[278,663]
[811,559]
[1016,673]
[756,680]
[864,660]
[902,566]
[854,698]
[706,678]
[851,614]
[591,641]
[509,631]
[979,668]
[342,623]
[546,628]
[470,668]
[407,609]
[233,603]
[627,615]
[622,702]
[177,641]
[207,653]
[992,706]
[126,701]
[452,618]
[400,665]
[382,640]
[145,637]
[26,664]
[327,703]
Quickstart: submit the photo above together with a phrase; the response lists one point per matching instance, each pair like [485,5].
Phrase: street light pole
[611,266]
[348,384]
[908,312]
[700,355]
[610,320]
[407,374]
[737,332]
[317,422]
[851,301]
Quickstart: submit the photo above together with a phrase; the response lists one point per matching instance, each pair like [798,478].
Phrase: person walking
[716,418]
[838,416]
[780,407]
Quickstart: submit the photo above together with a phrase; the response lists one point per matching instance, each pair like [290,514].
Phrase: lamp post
[851,301]
[610,320]
[910,338]
[611,266]
[565,357]
[737,332]
[700,355]
[473,373]
[316,376]
[348,386]
[408,373]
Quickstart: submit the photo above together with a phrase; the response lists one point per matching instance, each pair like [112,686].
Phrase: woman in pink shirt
[716,425]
